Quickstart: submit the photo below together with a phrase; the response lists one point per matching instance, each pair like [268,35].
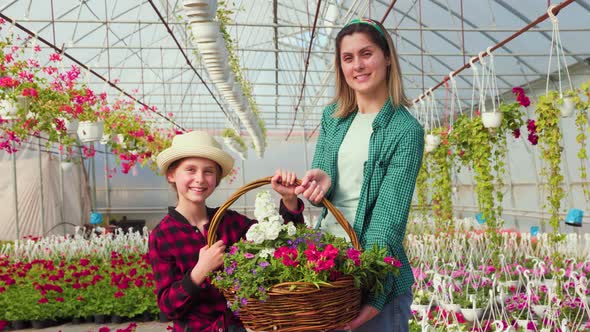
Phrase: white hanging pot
[218,76]
[205,31]
[90,131]
[71,125]
[66,165]
[568,107]
[7,109]
[540,310]
[491,119]
[472,314]
[429,148]
[209,6]
[432,140]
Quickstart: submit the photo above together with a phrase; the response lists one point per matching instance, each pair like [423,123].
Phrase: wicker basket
[297,306]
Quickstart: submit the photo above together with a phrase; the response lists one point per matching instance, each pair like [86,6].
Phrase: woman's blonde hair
[345,97]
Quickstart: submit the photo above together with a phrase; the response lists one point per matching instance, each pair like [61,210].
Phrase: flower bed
[55,278]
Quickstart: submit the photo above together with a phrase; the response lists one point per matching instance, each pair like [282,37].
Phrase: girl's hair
[175,165]
[345,97]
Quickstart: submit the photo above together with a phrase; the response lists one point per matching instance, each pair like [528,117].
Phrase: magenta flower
[392,261]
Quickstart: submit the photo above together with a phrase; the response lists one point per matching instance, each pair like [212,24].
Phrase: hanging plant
[223,16]
[548,117]
[475,144]
[581,124]
[234,142]
[440,170]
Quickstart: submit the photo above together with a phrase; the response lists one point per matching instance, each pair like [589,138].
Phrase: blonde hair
[345,98]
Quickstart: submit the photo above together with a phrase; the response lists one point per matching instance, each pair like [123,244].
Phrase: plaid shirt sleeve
[175,288]
[393,205]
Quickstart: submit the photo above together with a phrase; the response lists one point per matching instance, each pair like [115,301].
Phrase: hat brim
[172,154]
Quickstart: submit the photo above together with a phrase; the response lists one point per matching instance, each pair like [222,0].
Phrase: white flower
[262,213]
[272,230]
[264,207]
[266,252]
[290,228]
[255,234]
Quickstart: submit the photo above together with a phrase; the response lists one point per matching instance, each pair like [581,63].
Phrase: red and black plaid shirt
[174,247]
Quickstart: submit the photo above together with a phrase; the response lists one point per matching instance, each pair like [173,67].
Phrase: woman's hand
[314,185]
[367,313]
[283,182]
[210,258]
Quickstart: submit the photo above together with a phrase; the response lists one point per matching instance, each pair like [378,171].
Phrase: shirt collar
[178,216]
[384,115]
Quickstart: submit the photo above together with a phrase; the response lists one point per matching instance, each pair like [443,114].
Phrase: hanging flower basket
[7,109]
[66,165]
[330,301]
[471,314]
[90,131]
[433,140]
[71,126]
[568,107]
[205,32]
[491,119]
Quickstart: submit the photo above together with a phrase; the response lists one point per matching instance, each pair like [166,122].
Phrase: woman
[367,158]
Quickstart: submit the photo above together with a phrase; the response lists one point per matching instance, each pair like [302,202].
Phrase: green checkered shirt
[394,159]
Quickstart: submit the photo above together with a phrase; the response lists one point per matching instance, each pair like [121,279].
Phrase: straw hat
[195,144]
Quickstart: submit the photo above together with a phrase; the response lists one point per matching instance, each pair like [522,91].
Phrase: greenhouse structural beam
[297,105]
[293,25]
[498,45]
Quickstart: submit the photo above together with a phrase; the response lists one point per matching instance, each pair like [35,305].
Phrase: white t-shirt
[352,156]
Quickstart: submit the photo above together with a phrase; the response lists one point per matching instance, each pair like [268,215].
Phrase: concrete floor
[91,327]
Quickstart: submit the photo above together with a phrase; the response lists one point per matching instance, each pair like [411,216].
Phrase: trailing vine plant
[440,170]
[475,144]
[548,117]
[224,19]
[581,124]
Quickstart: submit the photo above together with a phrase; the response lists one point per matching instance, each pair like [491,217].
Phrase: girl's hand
[283,182]
[210,258]
[314,185]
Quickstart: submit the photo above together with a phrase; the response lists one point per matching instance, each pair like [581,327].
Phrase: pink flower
[42,300]
[354,255]
[55,57]
[8,82]
[248,255]
[119,294]
[392,261]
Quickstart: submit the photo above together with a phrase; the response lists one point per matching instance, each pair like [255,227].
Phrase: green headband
[368,22]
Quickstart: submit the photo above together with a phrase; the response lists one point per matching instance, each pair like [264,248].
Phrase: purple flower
[263,264]
[233,250]
[243,301]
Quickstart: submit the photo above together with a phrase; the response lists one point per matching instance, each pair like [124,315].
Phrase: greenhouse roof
[140,47]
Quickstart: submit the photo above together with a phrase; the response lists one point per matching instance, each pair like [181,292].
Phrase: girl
[178,250]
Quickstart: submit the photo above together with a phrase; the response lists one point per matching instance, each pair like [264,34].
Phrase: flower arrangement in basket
[292,278]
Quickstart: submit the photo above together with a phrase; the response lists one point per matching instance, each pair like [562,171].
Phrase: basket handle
[212,233]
